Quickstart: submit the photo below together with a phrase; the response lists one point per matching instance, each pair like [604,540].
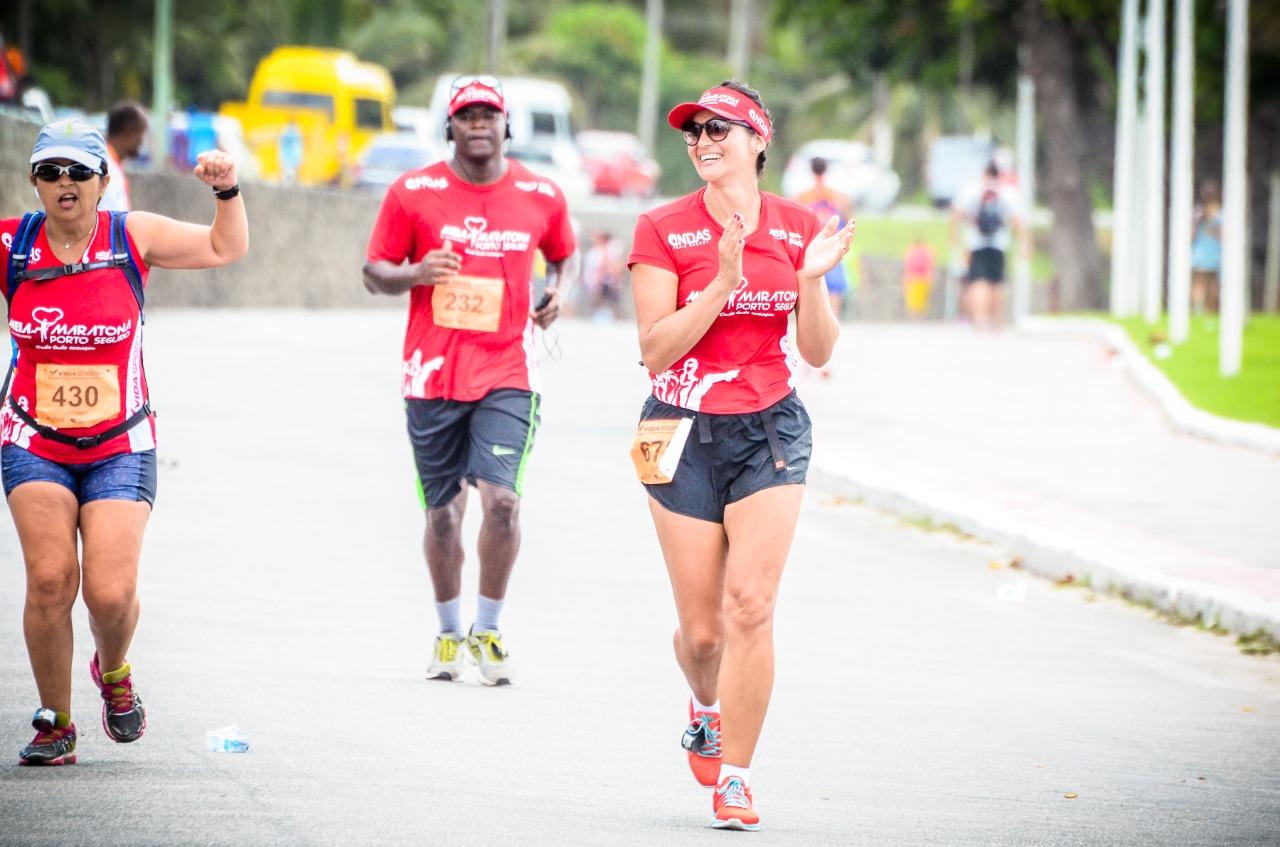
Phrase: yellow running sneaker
[446,659]
[490,656]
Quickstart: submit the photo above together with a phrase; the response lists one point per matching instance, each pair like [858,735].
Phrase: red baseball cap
[727,103]
[469,90]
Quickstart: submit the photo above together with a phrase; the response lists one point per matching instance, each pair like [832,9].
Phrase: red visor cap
[726,103]
[476,92]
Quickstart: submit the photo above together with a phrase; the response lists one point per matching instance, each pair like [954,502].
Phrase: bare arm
[383,277]
[668,332]
[816,325]
[167,243]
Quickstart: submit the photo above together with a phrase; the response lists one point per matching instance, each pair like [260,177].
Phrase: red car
[618,164]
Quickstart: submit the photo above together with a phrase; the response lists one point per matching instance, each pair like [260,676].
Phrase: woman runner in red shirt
[78,436]
[723,445]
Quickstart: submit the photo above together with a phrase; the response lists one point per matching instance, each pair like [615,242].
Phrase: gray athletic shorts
[487,439]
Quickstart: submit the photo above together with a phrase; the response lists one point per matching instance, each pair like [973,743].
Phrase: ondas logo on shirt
[681,240]
[414,183]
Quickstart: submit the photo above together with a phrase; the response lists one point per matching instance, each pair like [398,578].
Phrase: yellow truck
[325,104]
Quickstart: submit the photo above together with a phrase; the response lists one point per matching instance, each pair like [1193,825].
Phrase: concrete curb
[1182,416]
[1050,552]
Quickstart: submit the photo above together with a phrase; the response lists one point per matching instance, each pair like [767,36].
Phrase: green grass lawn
[1251,395]
[890,237]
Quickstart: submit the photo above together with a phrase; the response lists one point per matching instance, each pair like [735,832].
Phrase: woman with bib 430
[77,430]
[723,445]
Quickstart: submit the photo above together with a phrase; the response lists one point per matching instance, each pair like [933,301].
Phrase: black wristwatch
[227,193]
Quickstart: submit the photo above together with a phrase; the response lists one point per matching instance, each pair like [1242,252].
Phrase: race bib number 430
[468,302]
[76,396]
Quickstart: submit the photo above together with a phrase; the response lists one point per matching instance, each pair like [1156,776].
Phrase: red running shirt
[496,228]
[65,328]
[744,362]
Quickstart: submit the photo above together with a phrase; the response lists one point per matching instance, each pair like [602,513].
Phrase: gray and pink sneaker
[53,744]
[123,717]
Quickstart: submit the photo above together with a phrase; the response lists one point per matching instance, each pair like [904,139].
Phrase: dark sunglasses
[49,172]
[717,129]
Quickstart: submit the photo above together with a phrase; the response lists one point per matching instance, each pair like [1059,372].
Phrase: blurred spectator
[202,136]
[917,278]
[989,212]
[12,71]
[1206,250]
[603,268]
[289,149]
[126,130]
[826,202]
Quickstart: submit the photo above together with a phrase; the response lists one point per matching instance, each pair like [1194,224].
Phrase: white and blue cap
[72,139]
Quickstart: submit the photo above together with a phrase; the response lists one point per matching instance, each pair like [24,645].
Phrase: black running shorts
[986,264]
[487,439]
[729,457]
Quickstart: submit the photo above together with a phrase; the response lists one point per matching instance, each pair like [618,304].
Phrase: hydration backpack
[990,218]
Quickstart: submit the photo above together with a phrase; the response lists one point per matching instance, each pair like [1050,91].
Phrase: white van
[541,129]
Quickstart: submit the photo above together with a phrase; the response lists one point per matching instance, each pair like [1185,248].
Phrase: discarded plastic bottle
[228,739]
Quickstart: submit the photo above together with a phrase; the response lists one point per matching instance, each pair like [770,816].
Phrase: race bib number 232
[468,302]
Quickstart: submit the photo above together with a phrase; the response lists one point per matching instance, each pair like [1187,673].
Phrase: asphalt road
[923,696]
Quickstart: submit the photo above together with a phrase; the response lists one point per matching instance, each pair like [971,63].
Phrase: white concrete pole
[497,34]
[1026,164]
[1181,175]
[1235,292]
[1271,290]
[647,120]
[741,15]
[162,85]
[1154,152]
[1125,163]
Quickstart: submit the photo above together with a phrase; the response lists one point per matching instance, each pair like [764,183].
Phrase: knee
[109,602]
[503,509]
[445,522]
[702,642]
[51,589]
[748,609]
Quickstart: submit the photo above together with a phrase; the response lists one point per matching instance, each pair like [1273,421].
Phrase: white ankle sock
[487,612]
[450,614]
[698,707]
[743,774]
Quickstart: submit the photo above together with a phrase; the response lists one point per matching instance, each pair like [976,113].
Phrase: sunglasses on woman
[49,172]
[717,129]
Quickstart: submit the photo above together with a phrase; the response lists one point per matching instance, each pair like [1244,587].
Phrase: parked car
[388,156]
[851,170]
[954,162]
[618,164]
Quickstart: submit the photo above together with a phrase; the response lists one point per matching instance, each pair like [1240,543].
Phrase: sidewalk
[1043,445]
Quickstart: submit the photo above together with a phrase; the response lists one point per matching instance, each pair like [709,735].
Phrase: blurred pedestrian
[126,132]
[78,456]
[1206,250]
[290,151]
[603,266]
[917,277]
[825,201]
[723,444]
[990,215]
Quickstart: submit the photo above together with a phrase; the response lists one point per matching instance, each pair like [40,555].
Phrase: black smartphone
[544,302]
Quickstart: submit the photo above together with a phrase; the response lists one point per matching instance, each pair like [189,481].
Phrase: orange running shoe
[732,806]
[702,741]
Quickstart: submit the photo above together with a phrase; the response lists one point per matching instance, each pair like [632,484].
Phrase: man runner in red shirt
[459,236]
